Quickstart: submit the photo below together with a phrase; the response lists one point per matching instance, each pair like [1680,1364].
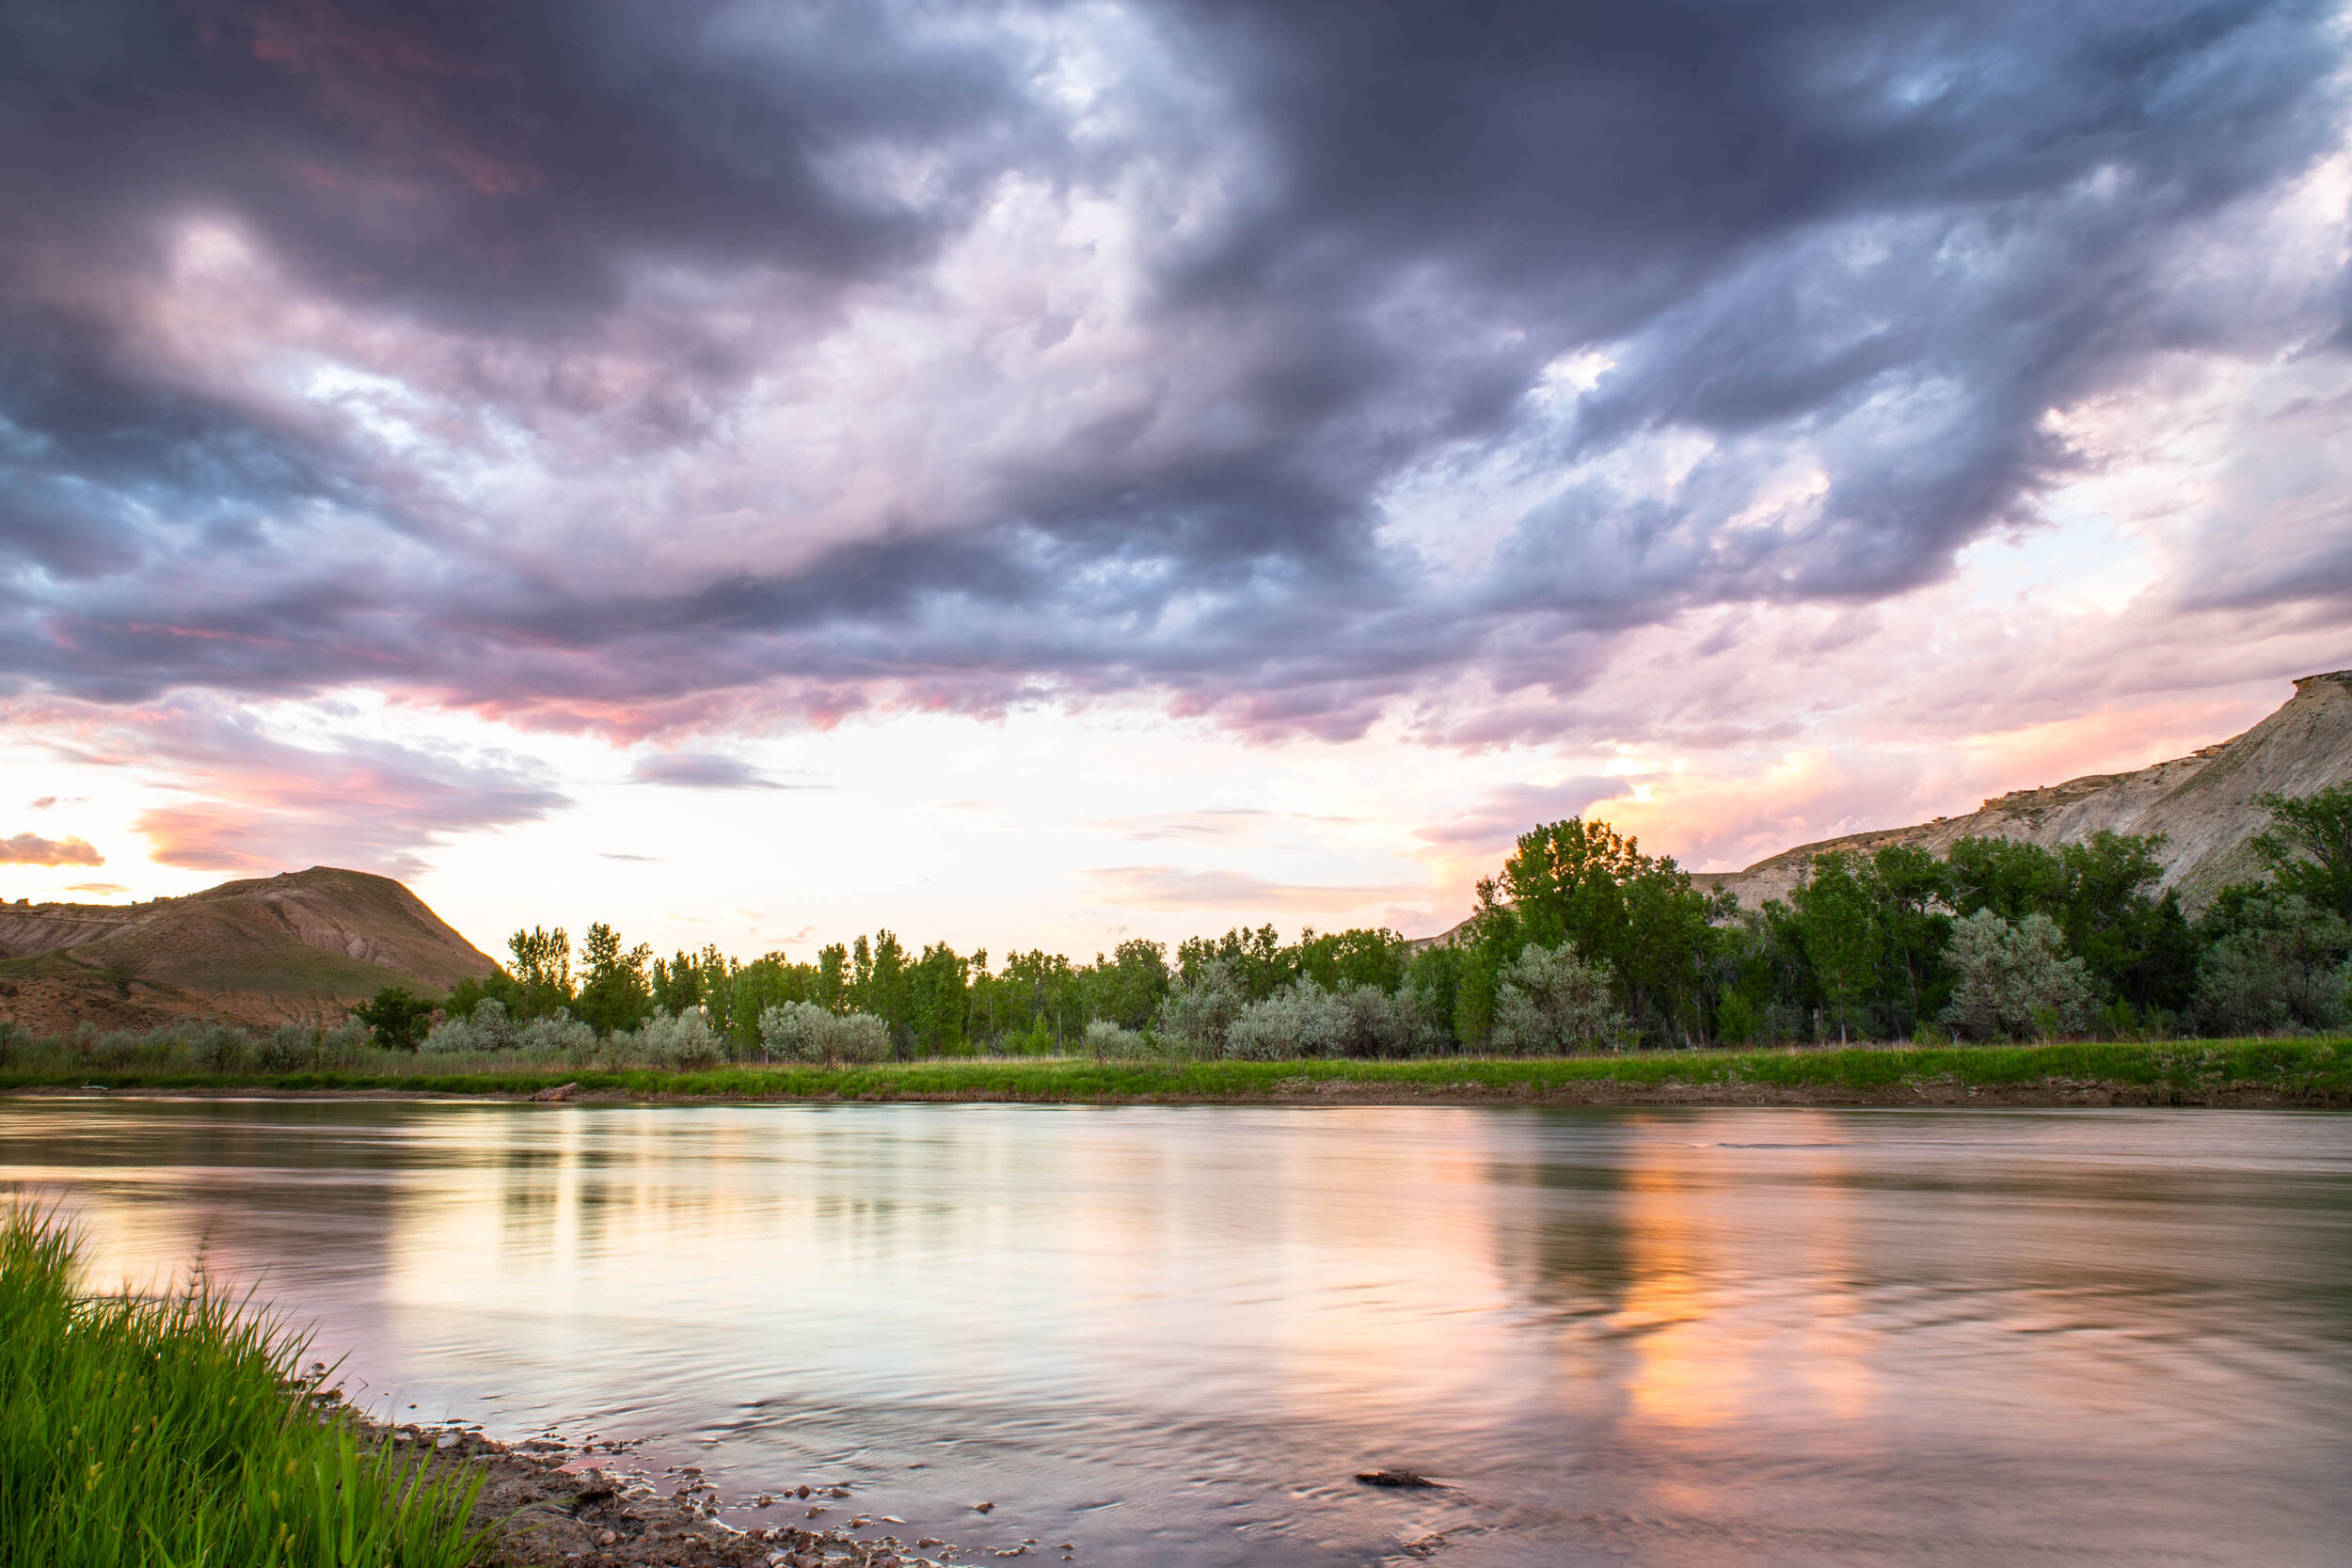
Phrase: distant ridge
[301,946]
[2203,804]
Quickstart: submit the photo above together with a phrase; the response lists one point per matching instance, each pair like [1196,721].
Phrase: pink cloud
[33,850]
[260,804]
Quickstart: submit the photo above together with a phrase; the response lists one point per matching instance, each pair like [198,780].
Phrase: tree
[542,970]
[1582,882]
[1841,933]
[1132,983]
[937,987]
[2308,849]
[397,1019]
[615,991]
[2277,961]
[2009,876]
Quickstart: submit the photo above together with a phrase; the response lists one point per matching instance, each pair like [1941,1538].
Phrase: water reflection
[1172,1335]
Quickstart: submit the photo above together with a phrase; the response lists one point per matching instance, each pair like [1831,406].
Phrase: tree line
[1580,940]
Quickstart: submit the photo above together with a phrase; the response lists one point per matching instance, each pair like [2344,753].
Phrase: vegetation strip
[2307,1071]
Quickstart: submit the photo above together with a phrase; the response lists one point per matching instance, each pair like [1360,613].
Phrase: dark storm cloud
[1869,246]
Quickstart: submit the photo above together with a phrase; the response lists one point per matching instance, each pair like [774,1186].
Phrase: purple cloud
[598,368]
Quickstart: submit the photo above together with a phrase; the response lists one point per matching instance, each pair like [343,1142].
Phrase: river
[1171,1335]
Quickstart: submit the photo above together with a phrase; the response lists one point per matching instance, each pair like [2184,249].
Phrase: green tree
[938,986]
[1842,936]
[542,970]
[2011,877]
[1914,930]
[2308,849]
[397,1018]
[1639,916]
[614,990]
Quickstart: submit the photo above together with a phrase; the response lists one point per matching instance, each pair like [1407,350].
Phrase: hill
[302,945]
[2202,803]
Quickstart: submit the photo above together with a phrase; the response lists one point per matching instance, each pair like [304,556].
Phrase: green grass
[2316,1070]
[170,1432]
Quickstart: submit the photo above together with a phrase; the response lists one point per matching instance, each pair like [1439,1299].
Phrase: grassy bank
[171,1432]
[2315,1072]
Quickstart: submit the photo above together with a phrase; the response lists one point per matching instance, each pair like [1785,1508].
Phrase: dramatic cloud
[644,368]
[33,850]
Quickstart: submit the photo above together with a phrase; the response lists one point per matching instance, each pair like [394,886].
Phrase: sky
[1036,474]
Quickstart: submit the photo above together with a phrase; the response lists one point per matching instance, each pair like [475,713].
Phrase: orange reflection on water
[1708,1244]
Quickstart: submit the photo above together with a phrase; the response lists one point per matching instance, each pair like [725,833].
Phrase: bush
[2013,980]
[1552,1002]
[1104,1039]
[805,1032]
[2281,968]
[559,1034]
[221,1048]
[289,1046]
[1300,1020]
[450,1036]
[684,1041]
[342,1044]
[1402,1023]
[1196,1012]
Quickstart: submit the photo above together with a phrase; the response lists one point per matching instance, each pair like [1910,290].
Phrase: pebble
[609,1539]
[763,1500]
[982,1508]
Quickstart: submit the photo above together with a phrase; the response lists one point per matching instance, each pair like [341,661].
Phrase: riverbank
[184,1430]
[2309,1072]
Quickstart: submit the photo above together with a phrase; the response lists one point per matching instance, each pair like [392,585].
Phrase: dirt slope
[300,945]
[2203,804]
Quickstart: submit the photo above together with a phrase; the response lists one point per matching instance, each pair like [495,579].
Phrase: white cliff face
[2202,803]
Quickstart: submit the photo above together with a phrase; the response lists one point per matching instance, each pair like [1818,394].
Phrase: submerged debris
[1396,1478]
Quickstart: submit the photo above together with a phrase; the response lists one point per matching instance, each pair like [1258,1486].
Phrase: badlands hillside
[303,945]
[2202,803]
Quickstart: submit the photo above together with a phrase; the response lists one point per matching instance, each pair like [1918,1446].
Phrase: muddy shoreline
[552,1503]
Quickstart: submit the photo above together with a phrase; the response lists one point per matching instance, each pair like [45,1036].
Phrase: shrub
[2013,980]
[221,1048]
[1402,1023]
[342,1043]
[1553,1001]
[1300,1020]
[451,1036]
[493,1029]
[1106,1039]
[805,1032]
[684,1041]
[559,1034]
[1196,1012]
[289,1046]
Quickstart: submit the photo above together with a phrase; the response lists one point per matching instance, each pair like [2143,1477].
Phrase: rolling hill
[303,945]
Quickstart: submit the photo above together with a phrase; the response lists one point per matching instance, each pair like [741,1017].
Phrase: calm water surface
[1169,1336]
